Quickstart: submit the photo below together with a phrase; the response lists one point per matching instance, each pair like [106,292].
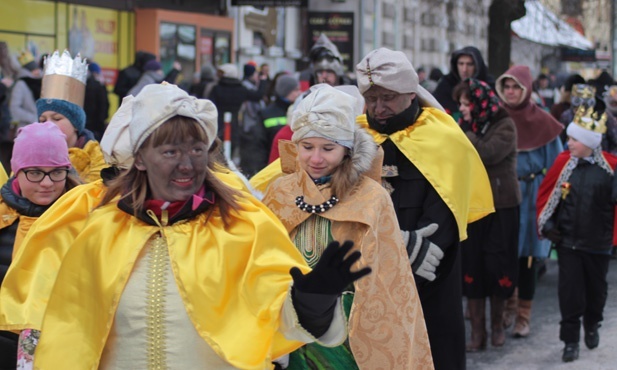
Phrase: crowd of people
[341,228]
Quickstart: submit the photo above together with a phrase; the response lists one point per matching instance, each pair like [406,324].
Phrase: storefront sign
[338,26]
[298,3]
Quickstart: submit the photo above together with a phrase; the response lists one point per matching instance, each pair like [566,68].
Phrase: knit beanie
[285,84]
[74,113]
[249,70]
[94,68]
[40,145]
[152,65]
[229,70]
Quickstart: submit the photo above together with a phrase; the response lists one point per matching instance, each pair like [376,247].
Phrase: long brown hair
[133,184]
[343,179]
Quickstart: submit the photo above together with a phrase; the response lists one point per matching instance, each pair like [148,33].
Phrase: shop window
[178,45]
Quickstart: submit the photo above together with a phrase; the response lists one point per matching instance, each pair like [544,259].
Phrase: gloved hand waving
[332,274]
[424,255]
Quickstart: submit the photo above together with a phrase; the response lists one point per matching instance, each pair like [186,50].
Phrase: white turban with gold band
[328,113]
[393,71]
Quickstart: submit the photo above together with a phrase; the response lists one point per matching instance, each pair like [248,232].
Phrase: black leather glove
[332,274]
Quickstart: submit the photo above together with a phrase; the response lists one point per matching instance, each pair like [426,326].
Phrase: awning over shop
[542,26]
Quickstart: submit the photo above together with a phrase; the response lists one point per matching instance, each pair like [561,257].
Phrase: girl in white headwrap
[328,194]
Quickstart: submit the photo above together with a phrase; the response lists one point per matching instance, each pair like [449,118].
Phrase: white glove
[424,256]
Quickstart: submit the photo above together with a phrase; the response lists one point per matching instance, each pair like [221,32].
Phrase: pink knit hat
[40,145]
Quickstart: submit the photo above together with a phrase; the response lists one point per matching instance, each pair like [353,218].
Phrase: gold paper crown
[584,91]
[589,120]
[64,78]
[25,57]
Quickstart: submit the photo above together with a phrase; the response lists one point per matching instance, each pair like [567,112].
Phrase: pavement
[542,349]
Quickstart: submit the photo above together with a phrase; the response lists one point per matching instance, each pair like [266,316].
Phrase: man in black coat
[437,183]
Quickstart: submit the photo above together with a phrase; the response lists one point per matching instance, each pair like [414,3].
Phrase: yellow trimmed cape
[3,176]
[437,146]
[28,283]
[233,282]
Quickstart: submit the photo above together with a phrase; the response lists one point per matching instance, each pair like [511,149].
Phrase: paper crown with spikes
[65,78]
[584,91]
[25,57]
[590,120]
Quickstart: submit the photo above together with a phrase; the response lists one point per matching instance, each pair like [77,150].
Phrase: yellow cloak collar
[437,146]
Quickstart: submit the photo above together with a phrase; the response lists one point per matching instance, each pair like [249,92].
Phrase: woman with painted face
[329,192]
[201,274]
[40,164]
[490,253]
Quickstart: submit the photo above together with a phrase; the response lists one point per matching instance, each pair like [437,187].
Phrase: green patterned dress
[312,237]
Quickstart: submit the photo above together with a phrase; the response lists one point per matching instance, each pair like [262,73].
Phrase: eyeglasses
[56,175]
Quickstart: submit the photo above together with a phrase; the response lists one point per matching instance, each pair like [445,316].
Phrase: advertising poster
[93,32]
[338,26]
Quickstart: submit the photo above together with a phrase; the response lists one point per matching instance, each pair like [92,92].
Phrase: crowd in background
[544,148]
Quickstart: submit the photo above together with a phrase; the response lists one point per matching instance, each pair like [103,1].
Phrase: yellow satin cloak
[263,178]
[9,216]
[88,162]
[386,325]
[3,176]
[437,146]
[28,283]
[233,282]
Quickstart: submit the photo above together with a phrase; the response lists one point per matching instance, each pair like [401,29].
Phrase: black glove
[332,274]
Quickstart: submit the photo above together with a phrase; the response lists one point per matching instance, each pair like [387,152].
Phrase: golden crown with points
[590,120]
[25,57]
[584,91]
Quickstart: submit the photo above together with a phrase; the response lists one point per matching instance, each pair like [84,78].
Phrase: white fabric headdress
[325,112]
[116,141]
[393,71]
[157,103]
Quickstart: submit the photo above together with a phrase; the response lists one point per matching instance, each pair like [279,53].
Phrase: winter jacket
[18,214]
[497,149]
[24,94]
[585,217]
[96,106]
[147,78]
[256,147]
[228,96]
[128,77]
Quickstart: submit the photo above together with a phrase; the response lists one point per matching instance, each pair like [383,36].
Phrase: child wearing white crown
[576,211]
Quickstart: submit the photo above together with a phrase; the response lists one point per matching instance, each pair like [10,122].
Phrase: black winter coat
[257,142]
[585,217]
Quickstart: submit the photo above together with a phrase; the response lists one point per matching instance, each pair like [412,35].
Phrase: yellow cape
[266,176]
[88,162]
[3,176]
[27,286]
[233,282]
[437,146]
